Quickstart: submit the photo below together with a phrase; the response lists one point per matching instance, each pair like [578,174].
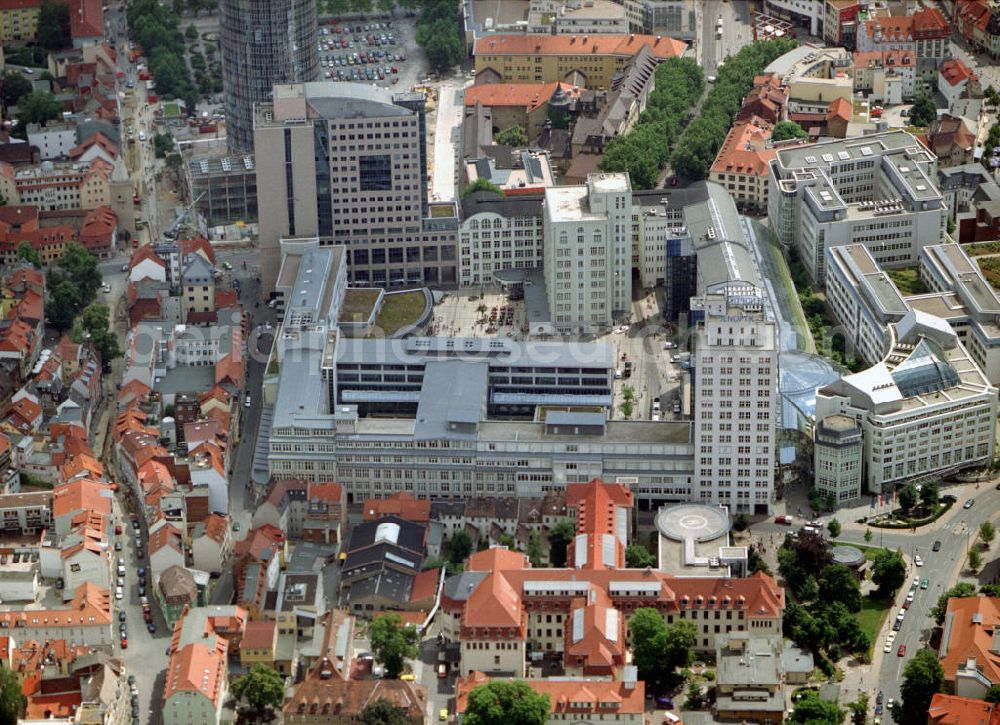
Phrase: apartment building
[587,251]
[367,192]
[742,165]
[86,618]
[888,77]
[25,513]
[735,362]
[584,17]
[925,410]
[56,187]
[925,31]
[840,22]
[591,61]
[876,190]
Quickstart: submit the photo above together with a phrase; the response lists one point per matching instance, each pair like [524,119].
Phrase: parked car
[936,546]
[969,504]
[902,650]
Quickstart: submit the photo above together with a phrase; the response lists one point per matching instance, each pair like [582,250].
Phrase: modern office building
[355,175]
[838,444]
[875,190]
[735,362]
[498,233]
[866,302]
[807,13]
[587,250]
[263,42]
[674,18]
[925,409]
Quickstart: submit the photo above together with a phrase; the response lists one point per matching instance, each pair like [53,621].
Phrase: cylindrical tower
[263,42]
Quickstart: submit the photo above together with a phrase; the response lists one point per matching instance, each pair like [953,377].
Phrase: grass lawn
[171,110]
[991,270]
[872,616]
[400,310]
[981,248]
[358,303]
[870,552]
[908,280]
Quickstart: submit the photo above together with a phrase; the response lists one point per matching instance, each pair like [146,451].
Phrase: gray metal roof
[452,399]
[331,99]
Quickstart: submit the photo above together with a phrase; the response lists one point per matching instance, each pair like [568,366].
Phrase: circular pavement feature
[848,556]
[692,521]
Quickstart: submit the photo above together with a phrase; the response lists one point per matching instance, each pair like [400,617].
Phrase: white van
[670,719]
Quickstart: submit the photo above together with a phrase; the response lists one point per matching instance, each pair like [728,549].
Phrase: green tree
[628,393]
[888,571]
[62,306]
[784,130]
[868,536]
[811,709]
[392,642]
[262,688]
[560,536]
[930,494]
[834,528]
[13,87]
[12,699]
[442,45]
[908,497]
[513,136]
[96,321]
[534,550]
[504,703]
[637,556]
[924,111]
[482,184]
[756,563]
[383,712]
[992,694]
[649,640]
[459,547]
[975,560]
[191,33]
[960,590]
[694,699]
[922,677]
[29,254]
[987,532]
[508,541]
[678,642]
[38,107]
[53,25]
[838,584]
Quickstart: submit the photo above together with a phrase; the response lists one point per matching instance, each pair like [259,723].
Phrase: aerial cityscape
[499,362]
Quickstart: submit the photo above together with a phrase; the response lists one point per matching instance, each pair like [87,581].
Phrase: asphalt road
[957,530]
[737,31]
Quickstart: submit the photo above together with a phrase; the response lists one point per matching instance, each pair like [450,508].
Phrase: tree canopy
[482,184]
[643,152]
[505,703]
[637,556]
[38,107]
[12,699]
[888,571]
[908,496]
[560,536]
[156,29]
[659,648]
[438,33]
[987,532]
[930,494]
[13,87]
[53,25]
[784,130]
[696,149]
[811,709]
[837,583]
[924,111]
[29,254]
[513,136]
[95,325]
[383,712]
[262,689]
[392,642]
[73,281]
[922,677]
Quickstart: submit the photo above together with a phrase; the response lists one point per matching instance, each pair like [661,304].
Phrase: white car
[918,561]
[916,581]
[888,647]
[119,593]
[909,596]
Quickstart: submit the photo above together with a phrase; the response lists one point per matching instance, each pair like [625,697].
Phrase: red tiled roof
[954,71]
[166,535]
[622,45]
[199,667]
[259,635]
[425,585]
[970,636]
[198,244]
[81,495]
[529,96]
[952,710]
[216,528]
[401,504]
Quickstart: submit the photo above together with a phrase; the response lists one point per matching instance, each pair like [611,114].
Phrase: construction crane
[183,219]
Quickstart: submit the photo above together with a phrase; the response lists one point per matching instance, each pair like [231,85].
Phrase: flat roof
[827,153]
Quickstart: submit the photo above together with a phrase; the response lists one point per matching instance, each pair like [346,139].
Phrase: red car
[124,642]
[901,652]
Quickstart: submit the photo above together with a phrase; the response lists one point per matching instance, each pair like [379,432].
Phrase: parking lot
[643,343]
[383,52]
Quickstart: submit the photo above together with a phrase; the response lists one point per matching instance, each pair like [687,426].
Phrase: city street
[737,31]
[957,530]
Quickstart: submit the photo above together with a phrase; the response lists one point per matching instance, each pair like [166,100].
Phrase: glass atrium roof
[926,370]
